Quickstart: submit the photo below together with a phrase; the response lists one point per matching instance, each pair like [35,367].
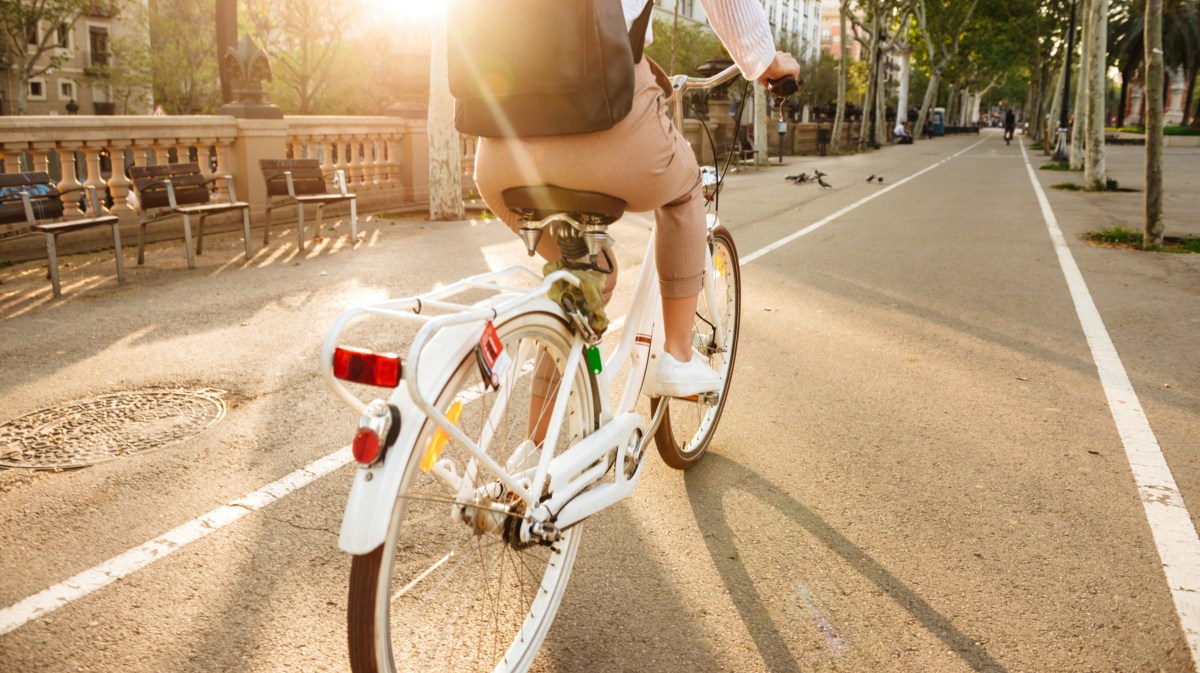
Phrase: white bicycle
[464,529]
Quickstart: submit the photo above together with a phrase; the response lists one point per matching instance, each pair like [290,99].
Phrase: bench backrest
[150,184]
[43,196]
[307,177]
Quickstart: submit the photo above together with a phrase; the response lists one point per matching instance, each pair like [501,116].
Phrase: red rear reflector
[363,366]
[366,446]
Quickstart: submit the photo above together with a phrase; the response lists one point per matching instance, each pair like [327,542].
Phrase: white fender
[375,489]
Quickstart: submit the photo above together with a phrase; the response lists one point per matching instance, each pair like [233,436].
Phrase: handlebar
[681,84]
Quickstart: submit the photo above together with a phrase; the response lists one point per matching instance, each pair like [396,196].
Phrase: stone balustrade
[385,158]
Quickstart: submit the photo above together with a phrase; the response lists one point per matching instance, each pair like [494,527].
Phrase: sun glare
[408,11]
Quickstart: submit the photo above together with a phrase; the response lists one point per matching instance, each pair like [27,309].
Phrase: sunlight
[414,12]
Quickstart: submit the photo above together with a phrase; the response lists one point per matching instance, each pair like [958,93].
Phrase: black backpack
[521,68]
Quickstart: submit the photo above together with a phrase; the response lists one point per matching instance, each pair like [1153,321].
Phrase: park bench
[30,203]
[167,190]
[300,182]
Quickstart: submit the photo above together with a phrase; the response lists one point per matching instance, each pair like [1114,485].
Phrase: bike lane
[946,450]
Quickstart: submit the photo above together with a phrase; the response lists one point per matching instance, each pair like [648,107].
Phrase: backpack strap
[637,32]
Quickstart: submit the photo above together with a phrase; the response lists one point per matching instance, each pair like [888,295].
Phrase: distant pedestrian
[901,133]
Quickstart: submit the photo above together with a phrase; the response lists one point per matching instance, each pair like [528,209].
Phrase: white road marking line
[44,602]
[1170,524]
[48,600]
[820,223]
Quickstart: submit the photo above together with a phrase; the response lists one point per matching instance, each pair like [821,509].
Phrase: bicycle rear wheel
[451,589]
[688,424]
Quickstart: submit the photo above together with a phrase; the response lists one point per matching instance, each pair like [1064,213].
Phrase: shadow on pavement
[710,481]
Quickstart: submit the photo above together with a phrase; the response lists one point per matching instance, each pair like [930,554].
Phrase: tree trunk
[445,153]
[1152,231]
[1094,174]
[1188,110]
[762,114]
[1079,127]
[905,71]
[843,65]
[1049,137]
[864,130]
[935,80]
[1126,73]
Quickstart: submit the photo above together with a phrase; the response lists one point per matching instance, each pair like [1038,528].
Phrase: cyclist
[646,162]
[1010,125]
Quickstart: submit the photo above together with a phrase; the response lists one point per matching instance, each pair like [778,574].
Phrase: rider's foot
[684,379]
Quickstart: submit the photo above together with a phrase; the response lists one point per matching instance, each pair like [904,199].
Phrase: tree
[181,56]
[843,74]
[129,74]
[693,46]
[32,32]
[303,39]
[1152,230]
[1094,175]
[942,24]
[445,153]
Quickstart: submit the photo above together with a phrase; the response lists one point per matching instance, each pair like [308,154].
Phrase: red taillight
[366,446]
[363,366]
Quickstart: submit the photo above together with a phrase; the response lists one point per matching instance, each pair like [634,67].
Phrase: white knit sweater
[741,25]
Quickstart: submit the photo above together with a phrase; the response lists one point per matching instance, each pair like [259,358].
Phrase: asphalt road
[917,469]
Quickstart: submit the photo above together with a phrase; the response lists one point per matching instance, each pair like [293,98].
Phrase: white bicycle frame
[441,344]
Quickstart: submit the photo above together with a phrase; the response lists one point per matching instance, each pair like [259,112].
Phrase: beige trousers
[643,160]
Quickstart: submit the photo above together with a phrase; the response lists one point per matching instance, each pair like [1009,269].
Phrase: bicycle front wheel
[688,425]
[452,589]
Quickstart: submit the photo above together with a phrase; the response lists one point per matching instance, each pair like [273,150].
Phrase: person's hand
[784,64]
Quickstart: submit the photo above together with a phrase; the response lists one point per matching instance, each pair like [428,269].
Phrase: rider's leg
[681,240]
[545,372]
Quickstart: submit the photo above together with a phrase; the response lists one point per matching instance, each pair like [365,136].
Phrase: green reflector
[593,359]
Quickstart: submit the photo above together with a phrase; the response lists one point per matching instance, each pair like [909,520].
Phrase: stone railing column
[202,145]
[256,139]
[370,165]
[66,157]
[118,183]
[357,149]
[224,166]
[414,168]
[393,181]
[92,150]
[326,146]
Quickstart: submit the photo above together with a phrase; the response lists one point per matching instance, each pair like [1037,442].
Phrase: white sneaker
[684,379]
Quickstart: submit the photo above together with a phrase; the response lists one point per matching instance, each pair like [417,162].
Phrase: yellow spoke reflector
[719,262]
[439,439]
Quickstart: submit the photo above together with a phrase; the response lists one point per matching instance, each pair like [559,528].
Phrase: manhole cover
[86,432]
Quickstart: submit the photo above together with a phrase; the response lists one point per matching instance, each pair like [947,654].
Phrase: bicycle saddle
[542,201]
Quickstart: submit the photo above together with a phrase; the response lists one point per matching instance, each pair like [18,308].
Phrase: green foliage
[693,45]
[1116,235]
[129,74]
[1059,166]
[1120,237]
[182,57]
[305,40]
[1181,131]
[1067,186]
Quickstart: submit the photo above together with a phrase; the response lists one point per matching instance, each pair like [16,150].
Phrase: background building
[796,24]
[83,50]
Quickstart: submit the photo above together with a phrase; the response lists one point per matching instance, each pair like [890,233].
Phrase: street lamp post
[1062,152]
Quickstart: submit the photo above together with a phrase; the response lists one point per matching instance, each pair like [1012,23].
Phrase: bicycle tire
[393,615]
[687,427]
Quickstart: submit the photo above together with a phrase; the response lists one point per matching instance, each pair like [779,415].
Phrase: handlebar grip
[784,86]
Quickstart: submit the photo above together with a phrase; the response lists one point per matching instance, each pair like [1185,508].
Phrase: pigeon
[824,185]
[881,179]
[799,179]
[819,174]
[872,178]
